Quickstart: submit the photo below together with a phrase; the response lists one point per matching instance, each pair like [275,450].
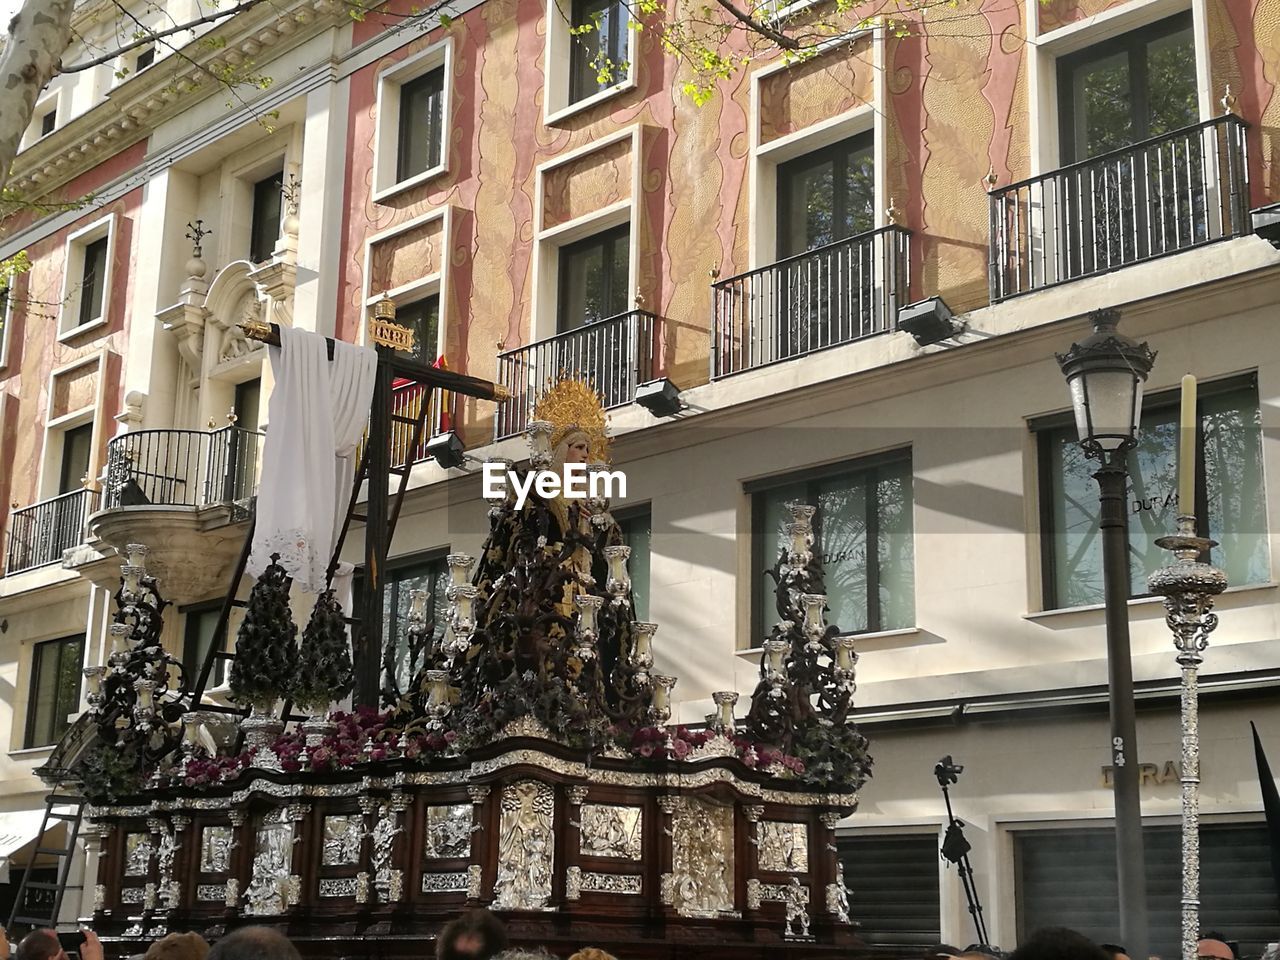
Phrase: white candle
[1187,449]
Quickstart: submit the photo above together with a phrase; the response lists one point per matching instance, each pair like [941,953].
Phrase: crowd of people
[481,935]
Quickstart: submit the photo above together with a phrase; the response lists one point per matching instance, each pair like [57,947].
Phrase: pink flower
[321,755]
[681,749]
[646,749]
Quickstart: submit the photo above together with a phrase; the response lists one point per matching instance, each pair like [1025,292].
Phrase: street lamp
[1106,372]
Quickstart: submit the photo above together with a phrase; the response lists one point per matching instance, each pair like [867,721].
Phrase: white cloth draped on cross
[316,417]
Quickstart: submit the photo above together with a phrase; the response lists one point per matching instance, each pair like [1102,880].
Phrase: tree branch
[783,41]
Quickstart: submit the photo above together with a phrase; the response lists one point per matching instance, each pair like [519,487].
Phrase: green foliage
[111,771]
[266,645]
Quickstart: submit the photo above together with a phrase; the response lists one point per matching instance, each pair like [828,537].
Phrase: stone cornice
[134,108]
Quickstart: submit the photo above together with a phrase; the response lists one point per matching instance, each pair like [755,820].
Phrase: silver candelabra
[1188,587]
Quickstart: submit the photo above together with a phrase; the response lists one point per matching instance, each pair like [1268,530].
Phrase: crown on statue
[572,406]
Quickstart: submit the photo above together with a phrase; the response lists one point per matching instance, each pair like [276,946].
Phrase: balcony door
[1112,96]
[822,287]
[593,288]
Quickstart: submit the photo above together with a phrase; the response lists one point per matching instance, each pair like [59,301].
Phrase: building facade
[538,199]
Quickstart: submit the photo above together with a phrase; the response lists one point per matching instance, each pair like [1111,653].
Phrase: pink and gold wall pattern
[950,93]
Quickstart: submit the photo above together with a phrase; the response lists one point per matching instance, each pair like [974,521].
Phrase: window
[403,657]
[421,125]
[598,54]
[247,402]
[86,293]
[1068,878]
[827,195]
[48,122]
[1125,90]
[637,533]
[264,230]
[55,689]
[6,320]
[146,57]
[1229,494]
[77,446]
[896,882]
[594,276]
[863,532]
[93,281]
[197,641]
[423,318]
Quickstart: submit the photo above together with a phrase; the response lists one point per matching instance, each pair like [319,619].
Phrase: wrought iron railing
[39,534]
[183,468]
[614,355]
[1167,194]
[835,294]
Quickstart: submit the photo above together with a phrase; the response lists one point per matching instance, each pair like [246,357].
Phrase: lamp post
[1106,371]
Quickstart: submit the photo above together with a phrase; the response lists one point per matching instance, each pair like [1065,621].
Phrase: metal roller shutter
[1068,878]
[893,887]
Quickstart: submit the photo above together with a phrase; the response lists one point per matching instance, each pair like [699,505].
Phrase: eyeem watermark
[576,483]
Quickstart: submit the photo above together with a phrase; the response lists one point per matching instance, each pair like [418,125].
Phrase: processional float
[529,765]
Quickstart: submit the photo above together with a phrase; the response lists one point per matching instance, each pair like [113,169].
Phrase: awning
[20,829]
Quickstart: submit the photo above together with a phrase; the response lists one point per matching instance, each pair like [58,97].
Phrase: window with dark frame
[598,47]
[863,530]
[896,879]
[264,228]
[48,122]
[77,449]
[429,572]
[594,277]
[826,195]
[93,282]
[55,689]
[421,131]
[637,533]
[1228,503]
[197,640]
[423,318]
[1127,89]
[145,59]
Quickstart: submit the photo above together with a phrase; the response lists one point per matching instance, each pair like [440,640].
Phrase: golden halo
[571,405]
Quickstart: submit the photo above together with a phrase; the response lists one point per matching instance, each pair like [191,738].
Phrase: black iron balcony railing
[835,294]
[614,355]
[182,468]
[1167,194]
[39,534]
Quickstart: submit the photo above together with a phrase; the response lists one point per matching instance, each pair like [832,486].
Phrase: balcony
[406,404]
[615,355]
[828,296]
[1165,195]
[183,468]
[39,534]
[183,493]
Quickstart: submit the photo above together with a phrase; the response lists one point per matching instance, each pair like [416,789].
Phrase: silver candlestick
[1188,587]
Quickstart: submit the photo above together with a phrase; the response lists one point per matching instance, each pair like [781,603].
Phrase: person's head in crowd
[1115,951]
[592,953]
[942,951]
[979,951]
[1058,943]
[40,944]
[476,935]
[178,946]
[254,943]
[524,953]
[1215,946]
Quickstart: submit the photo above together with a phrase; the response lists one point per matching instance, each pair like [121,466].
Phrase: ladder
[21,919]
[382,513]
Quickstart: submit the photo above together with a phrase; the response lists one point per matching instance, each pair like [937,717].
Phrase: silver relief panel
[137,854]
[526,847]
[342,837]
[702,858]
[268,891]
[784,846]
[448,832]
[611,831]
[215,849]
[338,887]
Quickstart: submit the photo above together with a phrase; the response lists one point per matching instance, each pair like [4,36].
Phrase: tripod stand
[955,848]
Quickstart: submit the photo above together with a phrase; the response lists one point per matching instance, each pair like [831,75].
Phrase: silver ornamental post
[1188,587]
